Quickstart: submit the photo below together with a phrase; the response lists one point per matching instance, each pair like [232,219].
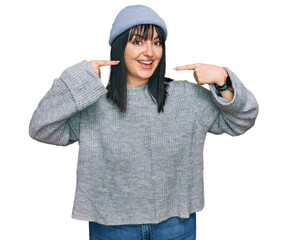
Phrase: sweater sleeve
[219,115]
[56,120]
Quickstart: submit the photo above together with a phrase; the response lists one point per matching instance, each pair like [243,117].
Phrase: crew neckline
[137,87]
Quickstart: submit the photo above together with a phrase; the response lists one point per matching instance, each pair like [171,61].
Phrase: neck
[136,83]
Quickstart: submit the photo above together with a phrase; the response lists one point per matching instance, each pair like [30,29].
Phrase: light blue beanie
[135,15]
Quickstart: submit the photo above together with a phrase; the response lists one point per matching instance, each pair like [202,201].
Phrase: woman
[141,138]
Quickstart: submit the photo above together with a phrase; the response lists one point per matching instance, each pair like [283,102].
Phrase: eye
[137,42]
[157,43]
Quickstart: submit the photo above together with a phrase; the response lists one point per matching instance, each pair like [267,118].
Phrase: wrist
[224,86]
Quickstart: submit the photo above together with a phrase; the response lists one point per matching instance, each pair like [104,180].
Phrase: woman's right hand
[96,64]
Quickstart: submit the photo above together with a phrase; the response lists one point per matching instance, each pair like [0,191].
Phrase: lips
[145,64]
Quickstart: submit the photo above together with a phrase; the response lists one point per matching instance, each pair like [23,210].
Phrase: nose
[148,52]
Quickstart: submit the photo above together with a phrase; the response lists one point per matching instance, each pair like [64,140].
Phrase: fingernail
[176,68]
[117,61]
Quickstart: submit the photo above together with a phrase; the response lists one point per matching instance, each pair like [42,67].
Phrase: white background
[245,177]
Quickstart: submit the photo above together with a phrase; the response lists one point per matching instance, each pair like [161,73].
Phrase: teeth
[145,62]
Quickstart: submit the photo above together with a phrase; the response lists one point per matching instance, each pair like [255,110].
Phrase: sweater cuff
[84,84]
[238,102]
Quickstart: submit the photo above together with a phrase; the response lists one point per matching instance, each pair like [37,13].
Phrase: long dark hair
[117,85]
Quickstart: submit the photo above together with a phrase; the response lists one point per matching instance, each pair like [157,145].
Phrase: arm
[239,114]
[57,117]
[219,115]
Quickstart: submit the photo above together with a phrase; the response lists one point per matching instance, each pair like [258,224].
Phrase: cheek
[128,59]
[129,62]
[159,53]
[130,53]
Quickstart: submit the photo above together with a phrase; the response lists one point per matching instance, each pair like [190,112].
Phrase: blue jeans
[174,228]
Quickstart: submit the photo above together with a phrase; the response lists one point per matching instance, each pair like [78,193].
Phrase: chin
[146,75]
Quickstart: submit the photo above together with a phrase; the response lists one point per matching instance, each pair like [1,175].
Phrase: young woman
[141,138]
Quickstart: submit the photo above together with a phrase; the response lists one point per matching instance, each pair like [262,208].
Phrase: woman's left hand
[206,74]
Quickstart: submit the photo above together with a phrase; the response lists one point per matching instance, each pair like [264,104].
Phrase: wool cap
[135,15]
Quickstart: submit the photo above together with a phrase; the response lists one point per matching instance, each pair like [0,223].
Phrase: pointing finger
[186,67]
[105,62]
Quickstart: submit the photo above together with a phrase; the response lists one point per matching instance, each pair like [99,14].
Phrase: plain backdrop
[245,177]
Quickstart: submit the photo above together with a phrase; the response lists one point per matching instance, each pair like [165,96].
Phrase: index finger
[186,67]
[105,62]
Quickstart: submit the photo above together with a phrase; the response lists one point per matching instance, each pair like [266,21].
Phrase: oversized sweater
[140,166]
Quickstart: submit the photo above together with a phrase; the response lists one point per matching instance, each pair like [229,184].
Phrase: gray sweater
[140,166]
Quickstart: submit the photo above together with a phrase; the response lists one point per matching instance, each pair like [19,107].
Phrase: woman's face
[142,58]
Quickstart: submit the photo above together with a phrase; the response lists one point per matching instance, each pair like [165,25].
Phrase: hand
[96,64]
[206,74]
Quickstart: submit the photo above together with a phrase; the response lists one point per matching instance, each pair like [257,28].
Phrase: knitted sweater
[140,166]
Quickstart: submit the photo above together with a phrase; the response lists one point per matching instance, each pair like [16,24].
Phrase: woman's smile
[145,64]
